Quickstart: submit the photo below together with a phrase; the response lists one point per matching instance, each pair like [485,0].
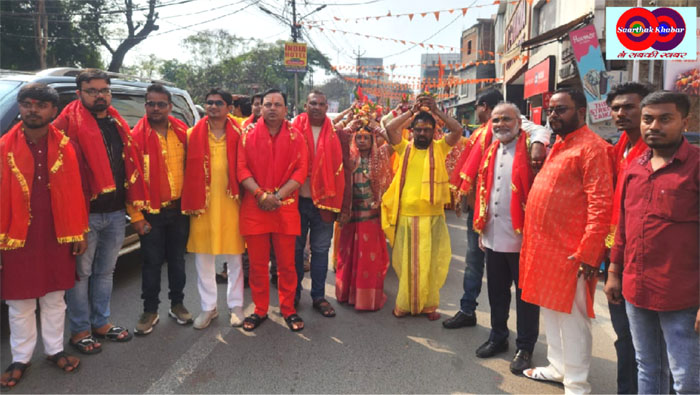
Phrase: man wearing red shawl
[210,197]
[160,142]
[272,165]
[567,220]
[363,259]
[413,209]
[504,180]
[256,108]
[41,229]
[115,178]
[320,196]
[625,103]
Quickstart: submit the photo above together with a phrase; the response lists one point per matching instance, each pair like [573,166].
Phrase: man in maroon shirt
[657,244]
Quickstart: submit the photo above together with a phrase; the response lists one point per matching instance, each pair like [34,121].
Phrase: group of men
[264,184]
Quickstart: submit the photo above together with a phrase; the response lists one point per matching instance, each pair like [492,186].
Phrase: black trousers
[502,271]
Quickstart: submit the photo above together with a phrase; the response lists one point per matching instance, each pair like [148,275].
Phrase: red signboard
[537,115]
[537,79]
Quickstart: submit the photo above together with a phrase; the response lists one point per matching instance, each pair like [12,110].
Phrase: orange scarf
[195,194]
[249,121]
[80,125]
[155,170]
[620,165]
[326,164]
[522,177]
[16,178]
[463,178]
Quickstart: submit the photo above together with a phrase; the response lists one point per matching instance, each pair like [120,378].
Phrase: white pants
[570,343]
[22,317]
[206,280]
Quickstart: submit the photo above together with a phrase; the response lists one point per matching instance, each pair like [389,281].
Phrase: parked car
[128,96]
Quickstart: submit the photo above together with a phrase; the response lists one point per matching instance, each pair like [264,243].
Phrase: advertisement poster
[664,33]
[591,69]
[684,76]
[537,78]
[295,57]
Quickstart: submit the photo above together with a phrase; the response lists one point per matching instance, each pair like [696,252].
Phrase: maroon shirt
[657,236]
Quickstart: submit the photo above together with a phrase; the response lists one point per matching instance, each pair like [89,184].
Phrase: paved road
[355,352]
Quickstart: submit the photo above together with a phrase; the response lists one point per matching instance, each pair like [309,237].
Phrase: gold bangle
[263,197]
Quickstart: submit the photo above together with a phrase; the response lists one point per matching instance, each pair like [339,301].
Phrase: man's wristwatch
[278,196]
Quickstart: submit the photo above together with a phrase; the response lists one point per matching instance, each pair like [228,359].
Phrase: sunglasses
[159,104]
[218,103]
[558,109]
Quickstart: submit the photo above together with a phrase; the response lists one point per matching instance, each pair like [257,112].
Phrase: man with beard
[211,198]
[624,100]
[320,197]
[160,141]
[657,243]
[43,219]
[505,177]
[567,220]
[272,165]
[114,176]
[413,209]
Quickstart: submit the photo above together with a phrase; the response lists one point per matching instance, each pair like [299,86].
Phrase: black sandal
[293,319]
[83,344]
[62,356]
[324,307]
[113,334]
[13,381]
[253,322]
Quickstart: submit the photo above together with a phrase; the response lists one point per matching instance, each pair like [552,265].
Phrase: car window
[8,102]
[182,110]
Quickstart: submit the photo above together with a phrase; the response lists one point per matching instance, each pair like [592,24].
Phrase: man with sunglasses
[160,142]
[566,222]
[210,197]
[115,177]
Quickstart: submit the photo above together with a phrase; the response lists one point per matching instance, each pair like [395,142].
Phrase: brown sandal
[62,361]
[12,381]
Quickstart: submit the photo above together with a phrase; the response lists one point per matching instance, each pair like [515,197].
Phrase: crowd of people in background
[247,186]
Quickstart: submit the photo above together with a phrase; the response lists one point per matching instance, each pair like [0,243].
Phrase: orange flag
[464,11]
[410,17]
[437,15]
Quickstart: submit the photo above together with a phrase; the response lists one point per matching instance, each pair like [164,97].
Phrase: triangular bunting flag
[423,14]
[437,15]
[410,17]
[464,11]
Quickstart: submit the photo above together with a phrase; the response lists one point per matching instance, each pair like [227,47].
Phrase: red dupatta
[326,164]
[155,170]
[195,194]
[16,178]
[522,177]
[471,159]
[80,125]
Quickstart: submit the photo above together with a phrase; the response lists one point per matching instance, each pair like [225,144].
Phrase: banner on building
[539,78]
[684,75]
[295,57]
[650,33]
[591,69]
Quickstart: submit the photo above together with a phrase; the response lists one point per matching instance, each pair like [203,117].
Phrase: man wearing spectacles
[115,177]
[160,142]
[567,220]
[210,197]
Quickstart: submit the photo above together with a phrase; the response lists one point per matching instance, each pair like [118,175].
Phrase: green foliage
[69,45]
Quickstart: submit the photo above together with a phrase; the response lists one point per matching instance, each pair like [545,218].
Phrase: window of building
[469,47]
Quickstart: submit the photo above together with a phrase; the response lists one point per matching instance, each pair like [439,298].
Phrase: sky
[244,18]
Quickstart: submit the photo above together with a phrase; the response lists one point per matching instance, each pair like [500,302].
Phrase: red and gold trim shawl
[522,177]
[155,171]
[326,164]
[195,194]
[80,125]
[470,168]
[16,177]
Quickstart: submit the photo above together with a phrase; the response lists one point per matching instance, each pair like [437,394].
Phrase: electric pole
[358,55]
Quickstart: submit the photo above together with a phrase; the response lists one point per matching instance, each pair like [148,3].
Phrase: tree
[61,40]
[101,18]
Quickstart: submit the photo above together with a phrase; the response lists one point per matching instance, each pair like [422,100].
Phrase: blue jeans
[626,365]
[88,302]
[663,340]
[166,242]
[321,235]
[474,272]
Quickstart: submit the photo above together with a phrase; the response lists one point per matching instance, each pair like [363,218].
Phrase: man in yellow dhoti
[413,214]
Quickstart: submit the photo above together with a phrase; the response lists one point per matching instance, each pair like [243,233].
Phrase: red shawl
[620,163]
[522,177]
[465,172]
[80,125]
[16,178]
[155,170]
[249,121]
[195,194]
[326,164]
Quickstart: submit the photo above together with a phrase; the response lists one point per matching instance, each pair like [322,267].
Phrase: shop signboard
[591,69]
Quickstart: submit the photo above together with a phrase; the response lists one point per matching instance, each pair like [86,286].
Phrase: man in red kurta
[320,196]
[566,221]
[272,165]
[41,229]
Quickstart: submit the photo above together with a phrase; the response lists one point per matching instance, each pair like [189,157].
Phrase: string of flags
[402,41]
[392,67]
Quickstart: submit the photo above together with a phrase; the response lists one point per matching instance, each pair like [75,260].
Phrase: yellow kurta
[216,231]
